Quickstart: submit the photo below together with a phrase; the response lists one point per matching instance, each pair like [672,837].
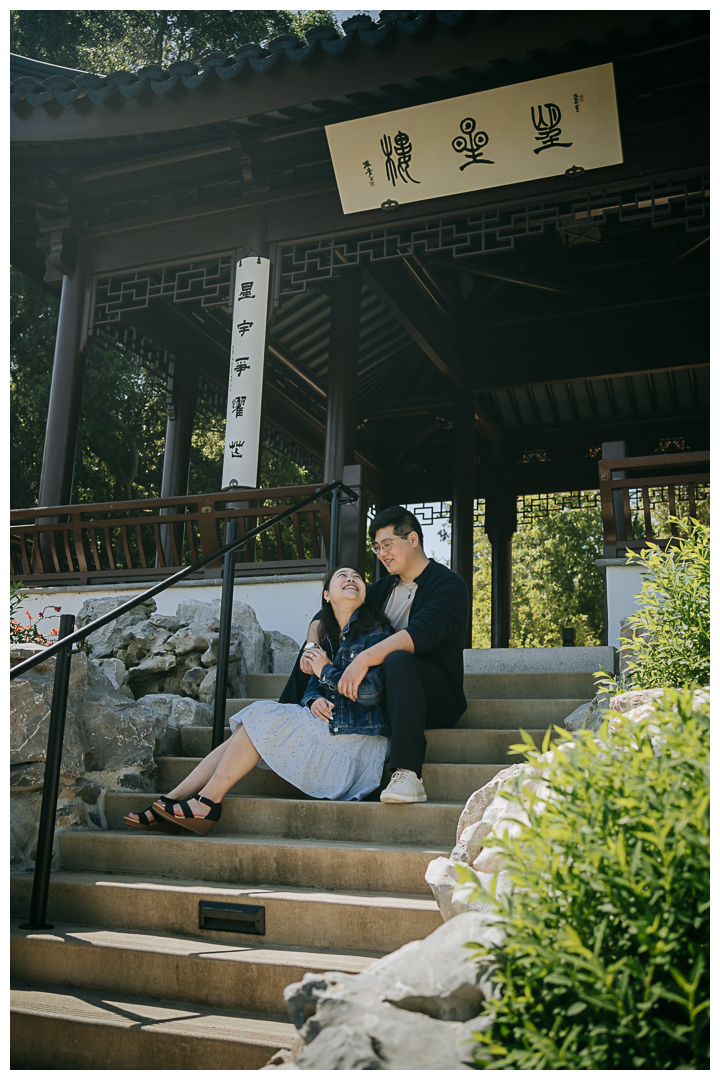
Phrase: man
[427,605]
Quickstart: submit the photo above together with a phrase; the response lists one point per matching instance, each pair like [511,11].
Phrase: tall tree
[104,41]
[555,582]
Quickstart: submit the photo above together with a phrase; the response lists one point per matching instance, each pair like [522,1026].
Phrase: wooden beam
[512,278]
[388,410]
[567,371]
[405,301]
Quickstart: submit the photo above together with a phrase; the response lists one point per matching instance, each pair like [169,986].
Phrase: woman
[328,746]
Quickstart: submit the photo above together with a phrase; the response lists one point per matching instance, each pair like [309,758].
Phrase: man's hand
[352,676]
[321,708]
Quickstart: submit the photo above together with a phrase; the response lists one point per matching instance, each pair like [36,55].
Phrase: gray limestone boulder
[194,637]
[109,744]
[30,703]
[489,813]
[414,1009]
[193,611]
[248,633]
[281,652]
[104,641]
[588,716]
[165,622]
[479,801]
[24,817]
[171,714]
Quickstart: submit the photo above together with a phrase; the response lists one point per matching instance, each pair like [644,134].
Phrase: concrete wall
[622,583]
[284,603]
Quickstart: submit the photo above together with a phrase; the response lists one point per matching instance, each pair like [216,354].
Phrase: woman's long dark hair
[367,617]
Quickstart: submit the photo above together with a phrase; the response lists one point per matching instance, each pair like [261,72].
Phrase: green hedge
[605,965]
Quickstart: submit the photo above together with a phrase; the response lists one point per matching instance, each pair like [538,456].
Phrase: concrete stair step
[468,746]
[443,782]
[347,922]
[526,713]
[314,819]
[524,684]
[258,782]
[473,745]
[265,686]
[481,684]
[485,713]
[347,866]
[226,976]
[73,1029]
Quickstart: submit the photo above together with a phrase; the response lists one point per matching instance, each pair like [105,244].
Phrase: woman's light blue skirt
[299,747]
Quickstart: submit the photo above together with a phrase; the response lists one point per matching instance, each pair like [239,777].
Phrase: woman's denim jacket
[366,715]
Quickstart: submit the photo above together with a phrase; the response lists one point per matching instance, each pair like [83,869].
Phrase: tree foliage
[555,582]
[606,960]
[121,435]
[103,41]
[671,628]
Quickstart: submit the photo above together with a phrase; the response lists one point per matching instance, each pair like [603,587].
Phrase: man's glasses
[382,549]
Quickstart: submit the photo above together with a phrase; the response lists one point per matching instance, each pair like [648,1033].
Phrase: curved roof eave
[63,104]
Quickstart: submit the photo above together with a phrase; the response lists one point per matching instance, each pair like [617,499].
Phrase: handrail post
[226,603]
[51,784]
[334,529]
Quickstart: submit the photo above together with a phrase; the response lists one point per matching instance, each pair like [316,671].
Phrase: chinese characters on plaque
[247,361]
[564,123]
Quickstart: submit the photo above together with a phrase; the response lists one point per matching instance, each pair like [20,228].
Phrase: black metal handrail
[336,494]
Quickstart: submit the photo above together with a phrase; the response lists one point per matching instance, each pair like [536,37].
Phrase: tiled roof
[99,88]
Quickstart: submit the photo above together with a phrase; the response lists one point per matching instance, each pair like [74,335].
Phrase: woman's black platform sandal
[203,825]
[150,821]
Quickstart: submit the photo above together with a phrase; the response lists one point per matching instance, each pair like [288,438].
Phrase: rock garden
[140,680]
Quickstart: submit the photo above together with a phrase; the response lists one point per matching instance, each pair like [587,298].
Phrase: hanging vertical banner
[247,361]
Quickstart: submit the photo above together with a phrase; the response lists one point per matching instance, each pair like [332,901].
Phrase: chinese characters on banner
[514,133]
[247,361]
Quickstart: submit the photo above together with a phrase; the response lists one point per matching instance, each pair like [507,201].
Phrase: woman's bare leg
[239,757]
[200,774]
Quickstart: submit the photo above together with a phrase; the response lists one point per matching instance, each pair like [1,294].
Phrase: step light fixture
[237,918]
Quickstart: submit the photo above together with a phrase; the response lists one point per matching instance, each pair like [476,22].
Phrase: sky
[340,15]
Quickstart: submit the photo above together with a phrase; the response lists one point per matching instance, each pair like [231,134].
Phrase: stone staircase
[127,979]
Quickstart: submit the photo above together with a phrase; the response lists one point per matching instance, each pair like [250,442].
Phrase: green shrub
[671,630]
[605,964]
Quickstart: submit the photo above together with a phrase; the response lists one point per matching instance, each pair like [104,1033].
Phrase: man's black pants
[417,697]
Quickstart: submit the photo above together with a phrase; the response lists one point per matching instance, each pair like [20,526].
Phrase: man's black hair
[402,521]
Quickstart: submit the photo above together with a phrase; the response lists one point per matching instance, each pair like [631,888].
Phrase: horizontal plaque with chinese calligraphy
[564,123]
[247,362]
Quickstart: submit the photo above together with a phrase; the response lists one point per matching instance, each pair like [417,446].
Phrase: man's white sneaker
[404,786]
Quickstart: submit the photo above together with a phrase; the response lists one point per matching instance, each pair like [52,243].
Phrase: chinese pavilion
[472,346]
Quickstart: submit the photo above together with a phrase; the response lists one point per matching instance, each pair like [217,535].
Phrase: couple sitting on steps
[381,664]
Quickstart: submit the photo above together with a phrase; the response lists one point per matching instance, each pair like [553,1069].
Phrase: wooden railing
[638,495]
[148,539]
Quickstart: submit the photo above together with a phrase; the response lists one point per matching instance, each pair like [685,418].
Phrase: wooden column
[342,375]
[61,433]
[463,494]
[353,521]
[182,399]
[500,524]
